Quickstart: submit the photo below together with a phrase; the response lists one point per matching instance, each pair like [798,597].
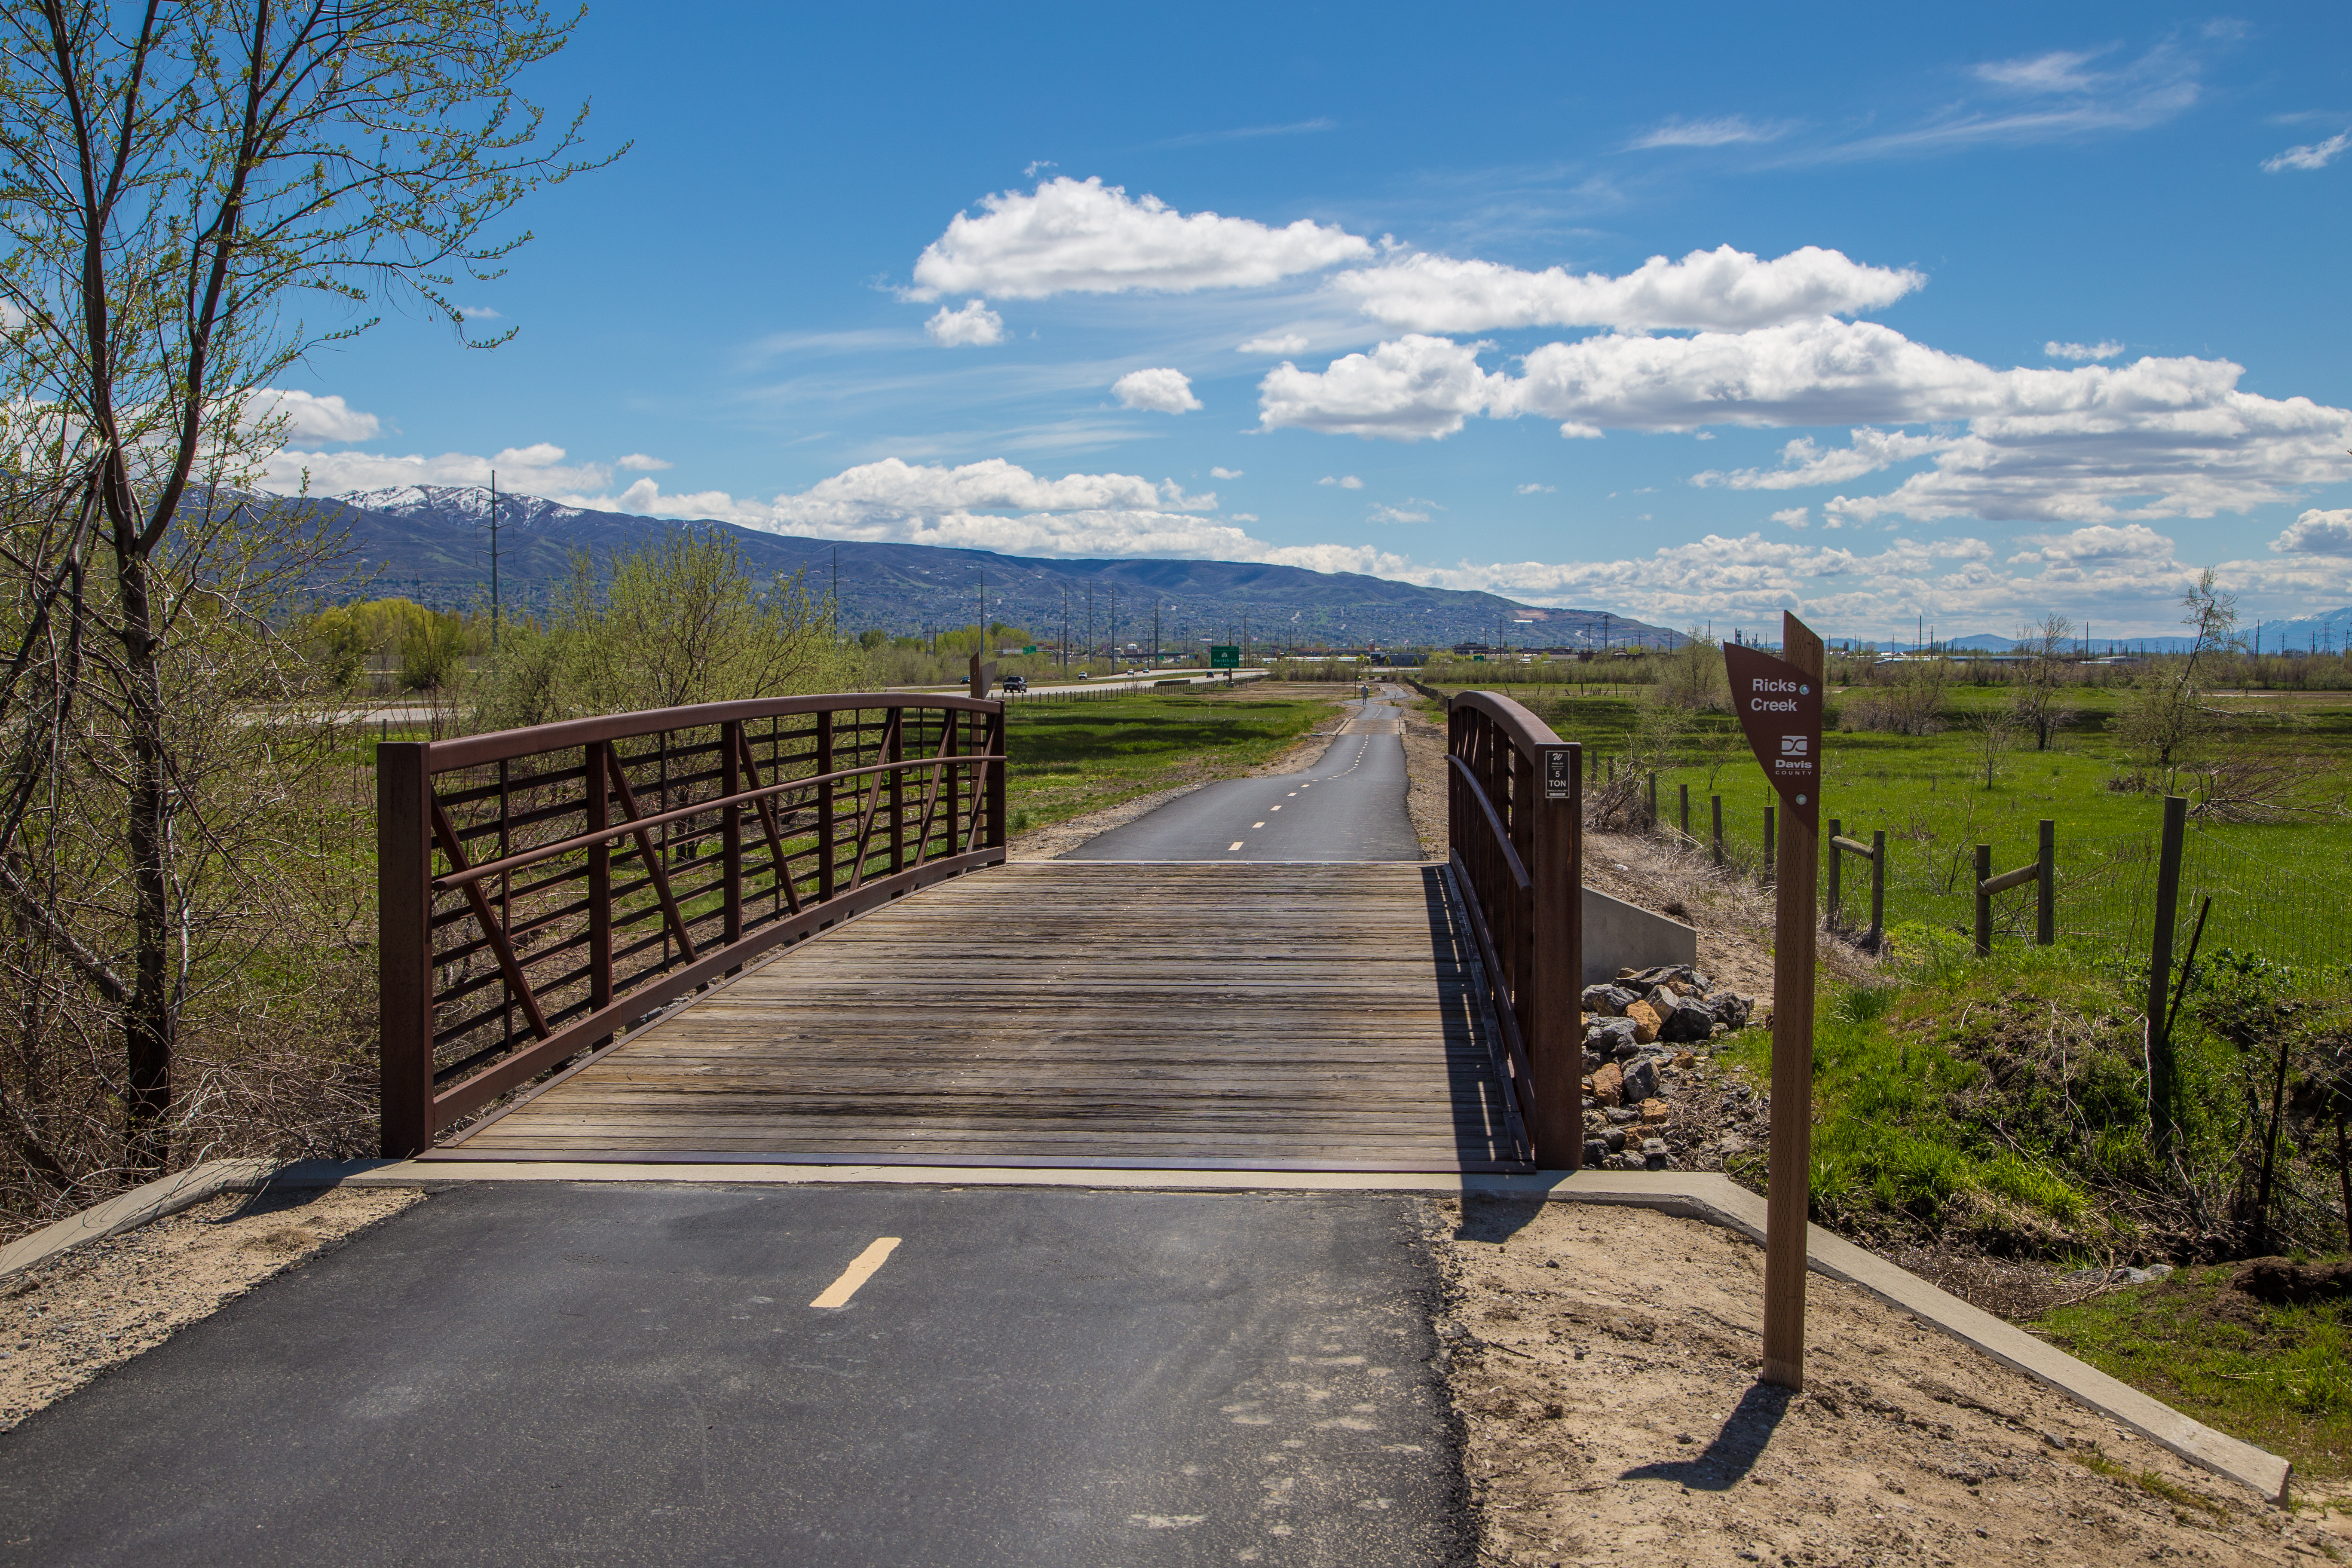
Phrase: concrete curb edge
[169,1195]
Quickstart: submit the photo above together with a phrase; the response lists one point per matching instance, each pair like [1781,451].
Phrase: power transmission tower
[494,560]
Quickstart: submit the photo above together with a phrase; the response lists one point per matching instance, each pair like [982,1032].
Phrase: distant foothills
[431,544]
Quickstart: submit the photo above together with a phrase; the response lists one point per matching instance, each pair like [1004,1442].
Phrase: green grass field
[2273,885]
[1071,759]
[2277,1376]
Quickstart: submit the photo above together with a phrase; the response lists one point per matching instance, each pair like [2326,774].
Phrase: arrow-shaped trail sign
[1778,701]
[1780,706]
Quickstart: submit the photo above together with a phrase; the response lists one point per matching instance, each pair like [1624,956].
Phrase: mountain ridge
[431,544]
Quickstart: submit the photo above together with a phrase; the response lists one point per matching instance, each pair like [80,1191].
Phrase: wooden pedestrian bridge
[787,931]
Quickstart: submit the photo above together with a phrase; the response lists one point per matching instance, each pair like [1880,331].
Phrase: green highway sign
[1224,655]
[1031,649]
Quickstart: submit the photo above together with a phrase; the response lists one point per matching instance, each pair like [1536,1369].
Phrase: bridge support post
[1555,1031]
[404,876]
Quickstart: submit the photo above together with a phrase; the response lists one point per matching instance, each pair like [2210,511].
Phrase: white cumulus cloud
[2156,437]
[1413,387]
[974,326]
[1720,288]
[2317,155]
[638,462]
[1346,481]
[1162,390]
[1532,489]
[2106,348]
[1792,516]
[2317,532]
[1804,463]
[1224,473]
[311,418]
[1083,236]
[1283,344]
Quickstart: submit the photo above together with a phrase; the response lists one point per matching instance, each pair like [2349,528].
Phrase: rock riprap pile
[1642,1030]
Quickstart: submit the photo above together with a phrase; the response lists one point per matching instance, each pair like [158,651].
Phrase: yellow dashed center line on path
[1233,846]
[1274,808]
[859,1271]
[1258,824]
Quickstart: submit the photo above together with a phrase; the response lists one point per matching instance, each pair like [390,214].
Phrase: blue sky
[1973,315]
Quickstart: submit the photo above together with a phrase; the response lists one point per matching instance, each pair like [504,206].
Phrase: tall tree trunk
[150,1021]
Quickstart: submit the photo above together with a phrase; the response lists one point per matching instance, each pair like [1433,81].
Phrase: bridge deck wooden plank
[1071,1011]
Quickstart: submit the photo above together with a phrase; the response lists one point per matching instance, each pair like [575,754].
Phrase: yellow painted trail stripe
[859,1271]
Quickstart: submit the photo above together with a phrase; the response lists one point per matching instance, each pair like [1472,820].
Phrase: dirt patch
[65,1321]
[1425,769]
[1604,1361]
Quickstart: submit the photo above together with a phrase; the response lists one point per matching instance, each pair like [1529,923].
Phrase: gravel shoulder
[66,1321]
[1604,1362]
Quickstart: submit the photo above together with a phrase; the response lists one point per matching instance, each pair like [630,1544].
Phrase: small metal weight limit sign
[1559,773]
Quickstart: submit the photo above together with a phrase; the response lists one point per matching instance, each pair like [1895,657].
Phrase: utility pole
[834,604]
[1155,631]
[494,560]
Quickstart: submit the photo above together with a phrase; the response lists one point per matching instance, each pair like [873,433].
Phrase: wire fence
[2285,907]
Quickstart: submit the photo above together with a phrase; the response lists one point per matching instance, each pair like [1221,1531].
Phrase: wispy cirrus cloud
[1724,130]
[1252,132]
[2317,155]
[2056,95]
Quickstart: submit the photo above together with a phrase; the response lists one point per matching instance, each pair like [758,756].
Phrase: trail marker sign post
[1778,701]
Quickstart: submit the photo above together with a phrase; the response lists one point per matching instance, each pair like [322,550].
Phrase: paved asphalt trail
[549,1373]
[1348,806]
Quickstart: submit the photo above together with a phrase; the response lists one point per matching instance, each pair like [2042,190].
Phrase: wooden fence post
[2162,1079]
[1685,795]
[1832,900]
[2045,914]
[1877,887]
[403,879]
[1718,829]
[1767,844]
[1984,902]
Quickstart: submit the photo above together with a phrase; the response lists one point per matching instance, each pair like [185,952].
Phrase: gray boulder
[1604,1036]
[1690,1021]
[1732,1009]
[1640,1080]
[1609,1001]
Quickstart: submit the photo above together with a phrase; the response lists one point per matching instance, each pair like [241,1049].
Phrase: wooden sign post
[1778,701]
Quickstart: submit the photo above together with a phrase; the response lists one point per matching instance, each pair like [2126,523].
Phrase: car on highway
[1016,683]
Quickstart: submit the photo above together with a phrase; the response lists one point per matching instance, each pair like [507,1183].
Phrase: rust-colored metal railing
[1515,826]
[540,889]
